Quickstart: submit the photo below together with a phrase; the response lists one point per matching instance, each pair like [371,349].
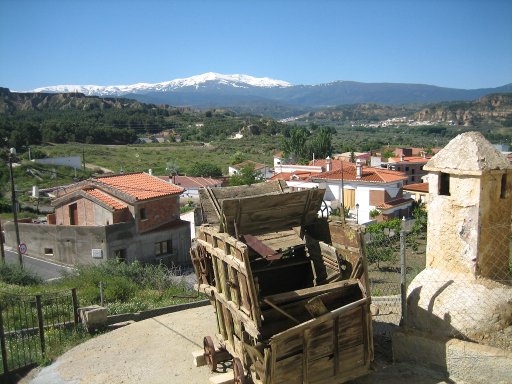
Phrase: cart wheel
[238,371]
[209,353]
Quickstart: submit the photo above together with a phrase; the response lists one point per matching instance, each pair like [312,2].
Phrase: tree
[295,147]
[384,241]
[321,145]
[204,170]
[246,176]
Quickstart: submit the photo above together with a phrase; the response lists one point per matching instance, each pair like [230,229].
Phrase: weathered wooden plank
[320,342]
[219,254]
[298,329]
[249,323]
[351,358]
[316,307]
[288,371]
[305,293]
[260,214]
[321,369]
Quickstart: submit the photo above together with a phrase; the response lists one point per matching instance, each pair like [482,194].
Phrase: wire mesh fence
[453,293]
[28,323]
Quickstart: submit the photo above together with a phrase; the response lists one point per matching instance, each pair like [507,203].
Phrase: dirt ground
[159,350]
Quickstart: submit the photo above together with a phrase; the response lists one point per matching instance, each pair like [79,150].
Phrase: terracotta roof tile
[369,174]
[394,203]
[141,186]
[418,187]
[106,199]
[409,159]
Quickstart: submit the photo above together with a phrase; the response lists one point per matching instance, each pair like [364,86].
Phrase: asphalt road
[47,270]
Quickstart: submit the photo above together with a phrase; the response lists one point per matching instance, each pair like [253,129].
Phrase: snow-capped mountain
[205,80]
[244,93]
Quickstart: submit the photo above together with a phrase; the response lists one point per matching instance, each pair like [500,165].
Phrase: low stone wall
[143,315]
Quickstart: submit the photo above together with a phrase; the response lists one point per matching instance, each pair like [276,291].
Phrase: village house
[126,217]
[369,193]
[191,185]
[264,170]
[418,192]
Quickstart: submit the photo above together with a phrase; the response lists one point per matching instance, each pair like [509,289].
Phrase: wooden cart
[289,289]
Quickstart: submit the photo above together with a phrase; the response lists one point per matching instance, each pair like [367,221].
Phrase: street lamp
[357,213]
[12,153]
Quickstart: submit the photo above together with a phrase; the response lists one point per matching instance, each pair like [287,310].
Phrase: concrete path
[159,350]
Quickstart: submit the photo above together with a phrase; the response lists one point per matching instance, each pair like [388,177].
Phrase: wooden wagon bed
[289,289]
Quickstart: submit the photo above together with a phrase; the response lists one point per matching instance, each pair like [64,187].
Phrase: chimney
[328,166]
[359,169]
[150,172]
[402,157]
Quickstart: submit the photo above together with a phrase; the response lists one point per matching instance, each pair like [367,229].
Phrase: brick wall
[157,212]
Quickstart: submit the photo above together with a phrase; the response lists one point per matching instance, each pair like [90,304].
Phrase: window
[406,169]
[48,251]
[413,178]
[73,214]
[163,247]
[413,171]
[142,214]
[444,184]
[120,255]
[503,191]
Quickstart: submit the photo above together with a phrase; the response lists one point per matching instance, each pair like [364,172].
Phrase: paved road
[47,270]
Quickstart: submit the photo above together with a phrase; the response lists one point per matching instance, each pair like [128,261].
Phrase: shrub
[14,274]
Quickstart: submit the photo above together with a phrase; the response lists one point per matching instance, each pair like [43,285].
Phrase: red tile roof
[140,186]
[369,174]
[106,199]
[189,182]
[297,175]
[418,187]
[409,159]
[394,203]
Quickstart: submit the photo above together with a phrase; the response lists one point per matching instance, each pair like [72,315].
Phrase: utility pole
[2,243]
[14,206]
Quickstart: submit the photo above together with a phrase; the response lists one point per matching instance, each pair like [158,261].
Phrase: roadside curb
[143,315]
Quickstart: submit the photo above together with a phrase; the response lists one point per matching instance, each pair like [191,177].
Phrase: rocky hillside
[13,102]
[495,109]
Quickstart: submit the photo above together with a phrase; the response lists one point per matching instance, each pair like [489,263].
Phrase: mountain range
[277,98]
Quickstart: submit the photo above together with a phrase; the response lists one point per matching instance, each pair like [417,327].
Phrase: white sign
[23,248]
[97,253]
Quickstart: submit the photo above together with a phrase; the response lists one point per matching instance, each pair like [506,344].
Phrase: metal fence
[397,258]
[27,323]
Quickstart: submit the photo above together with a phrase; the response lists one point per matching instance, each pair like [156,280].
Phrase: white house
[366,189]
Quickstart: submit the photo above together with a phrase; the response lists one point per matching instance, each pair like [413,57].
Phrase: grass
[127,288]
[141,157]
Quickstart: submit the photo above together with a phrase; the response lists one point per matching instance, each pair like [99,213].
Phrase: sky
[450,43]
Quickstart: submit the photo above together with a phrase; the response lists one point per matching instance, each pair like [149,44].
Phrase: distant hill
[491,110]
[276,98]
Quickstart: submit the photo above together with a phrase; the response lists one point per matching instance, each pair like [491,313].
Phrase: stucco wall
[449,249]
[74,244]
[70,244]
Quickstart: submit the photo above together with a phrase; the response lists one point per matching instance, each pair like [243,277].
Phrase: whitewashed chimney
[359,169]
[328,164]
[35,191]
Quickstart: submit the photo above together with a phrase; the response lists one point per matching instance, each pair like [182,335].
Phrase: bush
[14,274]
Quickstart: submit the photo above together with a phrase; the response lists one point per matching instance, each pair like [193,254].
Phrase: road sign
[23,248]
